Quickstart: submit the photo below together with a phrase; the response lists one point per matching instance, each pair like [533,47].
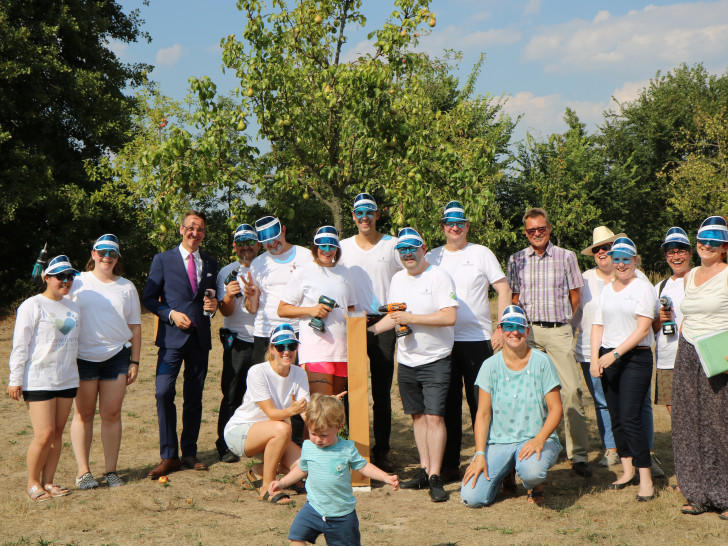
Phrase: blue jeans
[502,459]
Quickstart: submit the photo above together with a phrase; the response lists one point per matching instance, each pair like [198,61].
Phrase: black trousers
[236,361]
[467,357]
[380,350]
[625,385]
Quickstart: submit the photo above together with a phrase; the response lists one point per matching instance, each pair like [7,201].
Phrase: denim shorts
[108,369]
[309,524]
[235,438]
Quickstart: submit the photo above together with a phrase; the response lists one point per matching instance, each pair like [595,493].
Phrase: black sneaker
[420,481]
[380,460]
[582,469]
[437,489]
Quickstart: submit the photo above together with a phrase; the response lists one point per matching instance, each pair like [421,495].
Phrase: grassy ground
[214,508]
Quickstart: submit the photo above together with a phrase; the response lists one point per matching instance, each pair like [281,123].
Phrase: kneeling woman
[277,390]
[519,408]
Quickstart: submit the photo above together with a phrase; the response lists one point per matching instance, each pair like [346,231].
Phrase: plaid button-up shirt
[543,282]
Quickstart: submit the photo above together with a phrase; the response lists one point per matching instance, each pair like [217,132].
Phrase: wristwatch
[617,356]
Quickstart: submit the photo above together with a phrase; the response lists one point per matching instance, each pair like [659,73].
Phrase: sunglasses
[290,346]
[326,248]
[407,250]
[113,254]
[64,277]
[540,230]
[510,327]
[364,214]
[246,242]
[460,224]
[710,243]
[605,248]
[622,259]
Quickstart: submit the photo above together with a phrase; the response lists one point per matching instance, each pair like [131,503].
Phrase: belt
[549,324]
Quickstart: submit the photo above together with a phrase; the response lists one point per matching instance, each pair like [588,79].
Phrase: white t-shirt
[424,294]
[265,384]
[473,268]
[45,345]
[304,288]
[617,312]
[107,309]
[240,321]
[271,274]
[371,271]
[667,345]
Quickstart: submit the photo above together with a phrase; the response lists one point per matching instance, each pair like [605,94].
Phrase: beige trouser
[559,344]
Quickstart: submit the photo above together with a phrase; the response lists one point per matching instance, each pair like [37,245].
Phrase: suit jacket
[169,283]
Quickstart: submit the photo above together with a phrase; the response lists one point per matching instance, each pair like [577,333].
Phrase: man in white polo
[423,356]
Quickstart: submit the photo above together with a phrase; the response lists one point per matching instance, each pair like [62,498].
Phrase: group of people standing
[287,307]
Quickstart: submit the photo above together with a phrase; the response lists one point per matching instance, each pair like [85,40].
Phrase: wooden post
[356,331]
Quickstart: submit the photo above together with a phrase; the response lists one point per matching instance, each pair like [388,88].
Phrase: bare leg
[62,409]
[272,439]
[419,421]
[627,471]
[82,426]
[646,488]
[42,417]
[111,396]
[321,382]
[436,437]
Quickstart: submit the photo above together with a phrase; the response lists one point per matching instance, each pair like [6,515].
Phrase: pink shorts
[338,369]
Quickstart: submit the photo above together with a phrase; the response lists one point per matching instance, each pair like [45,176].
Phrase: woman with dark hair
[108,356]
[323,339]
[700,403]
[43,371]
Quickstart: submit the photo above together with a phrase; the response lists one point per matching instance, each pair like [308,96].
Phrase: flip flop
[37,494]
[56,490]
[255,482]
[693,508]
[275,499]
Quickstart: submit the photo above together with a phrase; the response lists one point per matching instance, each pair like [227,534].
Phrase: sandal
[299,488]
[723,515]
[255,482]
[57,490]
[693,508]
[536,497]
[37,494]
[276,499]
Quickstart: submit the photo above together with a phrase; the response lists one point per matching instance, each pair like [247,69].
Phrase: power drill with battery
[403,330]
[317,323]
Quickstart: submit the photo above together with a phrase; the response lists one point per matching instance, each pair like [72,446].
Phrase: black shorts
[42,396]
[423,389]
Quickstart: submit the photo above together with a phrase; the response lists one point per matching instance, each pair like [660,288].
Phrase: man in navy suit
[175,292]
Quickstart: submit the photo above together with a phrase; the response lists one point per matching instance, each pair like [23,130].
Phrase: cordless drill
[317,323]
[403,330]
[231,277]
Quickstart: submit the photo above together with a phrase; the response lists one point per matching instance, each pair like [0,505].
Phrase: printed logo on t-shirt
[64,325]
[453,296]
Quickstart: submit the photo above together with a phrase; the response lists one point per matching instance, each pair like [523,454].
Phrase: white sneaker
[610,458]
[87,481]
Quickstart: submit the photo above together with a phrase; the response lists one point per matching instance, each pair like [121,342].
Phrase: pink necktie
[192,273]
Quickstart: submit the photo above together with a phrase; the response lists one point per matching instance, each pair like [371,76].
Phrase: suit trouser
[380,350]
[169,364]
[467,357]
[558,343]
[236,361]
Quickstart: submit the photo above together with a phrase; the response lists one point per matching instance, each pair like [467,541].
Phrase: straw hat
[601,236]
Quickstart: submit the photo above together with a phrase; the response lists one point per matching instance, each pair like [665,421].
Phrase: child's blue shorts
[341,530]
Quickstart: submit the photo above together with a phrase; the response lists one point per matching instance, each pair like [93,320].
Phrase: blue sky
[544,55]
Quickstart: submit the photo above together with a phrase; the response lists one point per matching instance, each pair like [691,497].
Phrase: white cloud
[358,50]
[481,16]
[117,48]
[630,91]
[457,38]
[171,55]
[656,36]
[532,7]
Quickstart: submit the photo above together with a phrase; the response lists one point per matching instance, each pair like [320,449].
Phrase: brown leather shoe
[165,467]
[193,463]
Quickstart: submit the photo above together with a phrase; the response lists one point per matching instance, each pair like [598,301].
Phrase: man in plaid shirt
[546,283]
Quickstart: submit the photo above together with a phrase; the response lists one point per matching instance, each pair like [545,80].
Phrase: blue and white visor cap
[283,334]
[409,237]
[268,228]
[327,235]
[107,242]
[454,212]
[364,201]
[623,245]
[676,236]
[60,264]
[713,229]
[514,315]
[245,232]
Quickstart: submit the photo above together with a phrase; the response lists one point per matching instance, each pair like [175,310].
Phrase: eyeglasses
[605,248]
[510,327]
[710,243]
[460,224]
[540,230]
[64,277]
[290,346]
[326,248]
[621,259]
[675,252]
[404,251]
[194,229]
[113,254]
[246,242]
[364,214]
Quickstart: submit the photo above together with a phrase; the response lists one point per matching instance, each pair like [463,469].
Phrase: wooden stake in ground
[356,332]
